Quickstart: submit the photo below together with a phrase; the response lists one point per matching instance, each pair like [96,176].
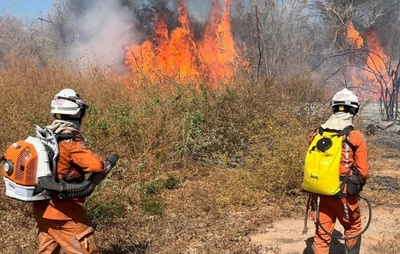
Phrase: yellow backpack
[322,163]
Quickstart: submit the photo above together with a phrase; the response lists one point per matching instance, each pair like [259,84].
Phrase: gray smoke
[199,10]
[104,31]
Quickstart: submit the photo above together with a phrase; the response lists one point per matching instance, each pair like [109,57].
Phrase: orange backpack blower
[29,169]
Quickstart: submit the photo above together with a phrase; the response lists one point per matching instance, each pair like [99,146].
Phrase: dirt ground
[383,189]
[286,236]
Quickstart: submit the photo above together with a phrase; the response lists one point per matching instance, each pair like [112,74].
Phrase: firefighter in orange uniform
[354,160]
[62,223]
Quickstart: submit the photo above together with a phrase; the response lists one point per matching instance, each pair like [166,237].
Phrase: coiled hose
[347,237]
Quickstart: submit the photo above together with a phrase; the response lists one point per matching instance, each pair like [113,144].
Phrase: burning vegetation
[200,169]
[373,74]
[374,65]
[177,55]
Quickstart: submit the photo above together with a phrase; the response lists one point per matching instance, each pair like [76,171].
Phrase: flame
[355,40]
[375,62]
[354,36]
[217,47]
[178,56]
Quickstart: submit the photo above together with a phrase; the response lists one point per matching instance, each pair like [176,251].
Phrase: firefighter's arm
[86,159]
[361,158]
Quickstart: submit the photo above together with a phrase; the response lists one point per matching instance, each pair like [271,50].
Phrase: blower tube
[77,190]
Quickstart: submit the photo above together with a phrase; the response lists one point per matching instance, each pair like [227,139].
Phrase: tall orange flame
[354,36]
[375,62]
[217,47]
[179,57]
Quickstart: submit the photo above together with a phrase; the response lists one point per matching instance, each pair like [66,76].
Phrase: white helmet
[68,102]
[345,97]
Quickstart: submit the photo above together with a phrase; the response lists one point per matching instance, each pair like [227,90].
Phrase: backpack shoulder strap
[320,131]
[68,135]
[345,132]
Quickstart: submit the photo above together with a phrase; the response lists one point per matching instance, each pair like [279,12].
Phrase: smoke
[199,10]
[104,31]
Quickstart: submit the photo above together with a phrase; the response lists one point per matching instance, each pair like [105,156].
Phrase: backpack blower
[29,170]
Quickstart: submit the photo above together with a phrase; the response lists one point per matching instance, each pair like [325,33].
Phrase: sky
[25,8]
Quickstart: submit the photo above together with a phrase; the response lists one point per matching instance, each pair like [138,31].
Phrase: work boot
[355,249]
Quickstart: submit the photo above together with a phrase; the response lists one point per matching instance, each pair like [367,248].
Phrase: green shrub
[171,183]
[101,212]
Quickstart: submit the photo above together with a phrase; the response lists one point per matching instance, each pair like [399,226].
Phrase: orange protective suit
[62,223]
[332,208]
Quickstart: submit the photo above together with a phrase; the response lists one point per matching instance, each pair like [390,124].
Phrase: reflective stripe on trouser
[331,209]
[70,236]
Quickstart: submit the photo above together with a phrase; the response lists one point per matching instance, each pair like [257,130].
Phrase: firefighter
[354,161]
[63,223]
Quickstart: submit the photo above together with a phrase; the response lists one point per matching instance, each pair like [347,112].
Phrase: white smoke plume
[104,31]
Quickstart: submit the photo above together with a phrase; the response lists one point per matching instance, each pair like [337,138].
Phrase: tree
[276,36]
[375,24]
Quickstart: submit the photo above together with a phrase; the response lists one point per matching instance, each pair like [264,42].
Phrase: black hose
[348,237]
[76,190]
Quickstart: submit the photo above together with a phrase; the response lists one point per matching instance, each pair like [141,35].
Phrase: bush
[103,212]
